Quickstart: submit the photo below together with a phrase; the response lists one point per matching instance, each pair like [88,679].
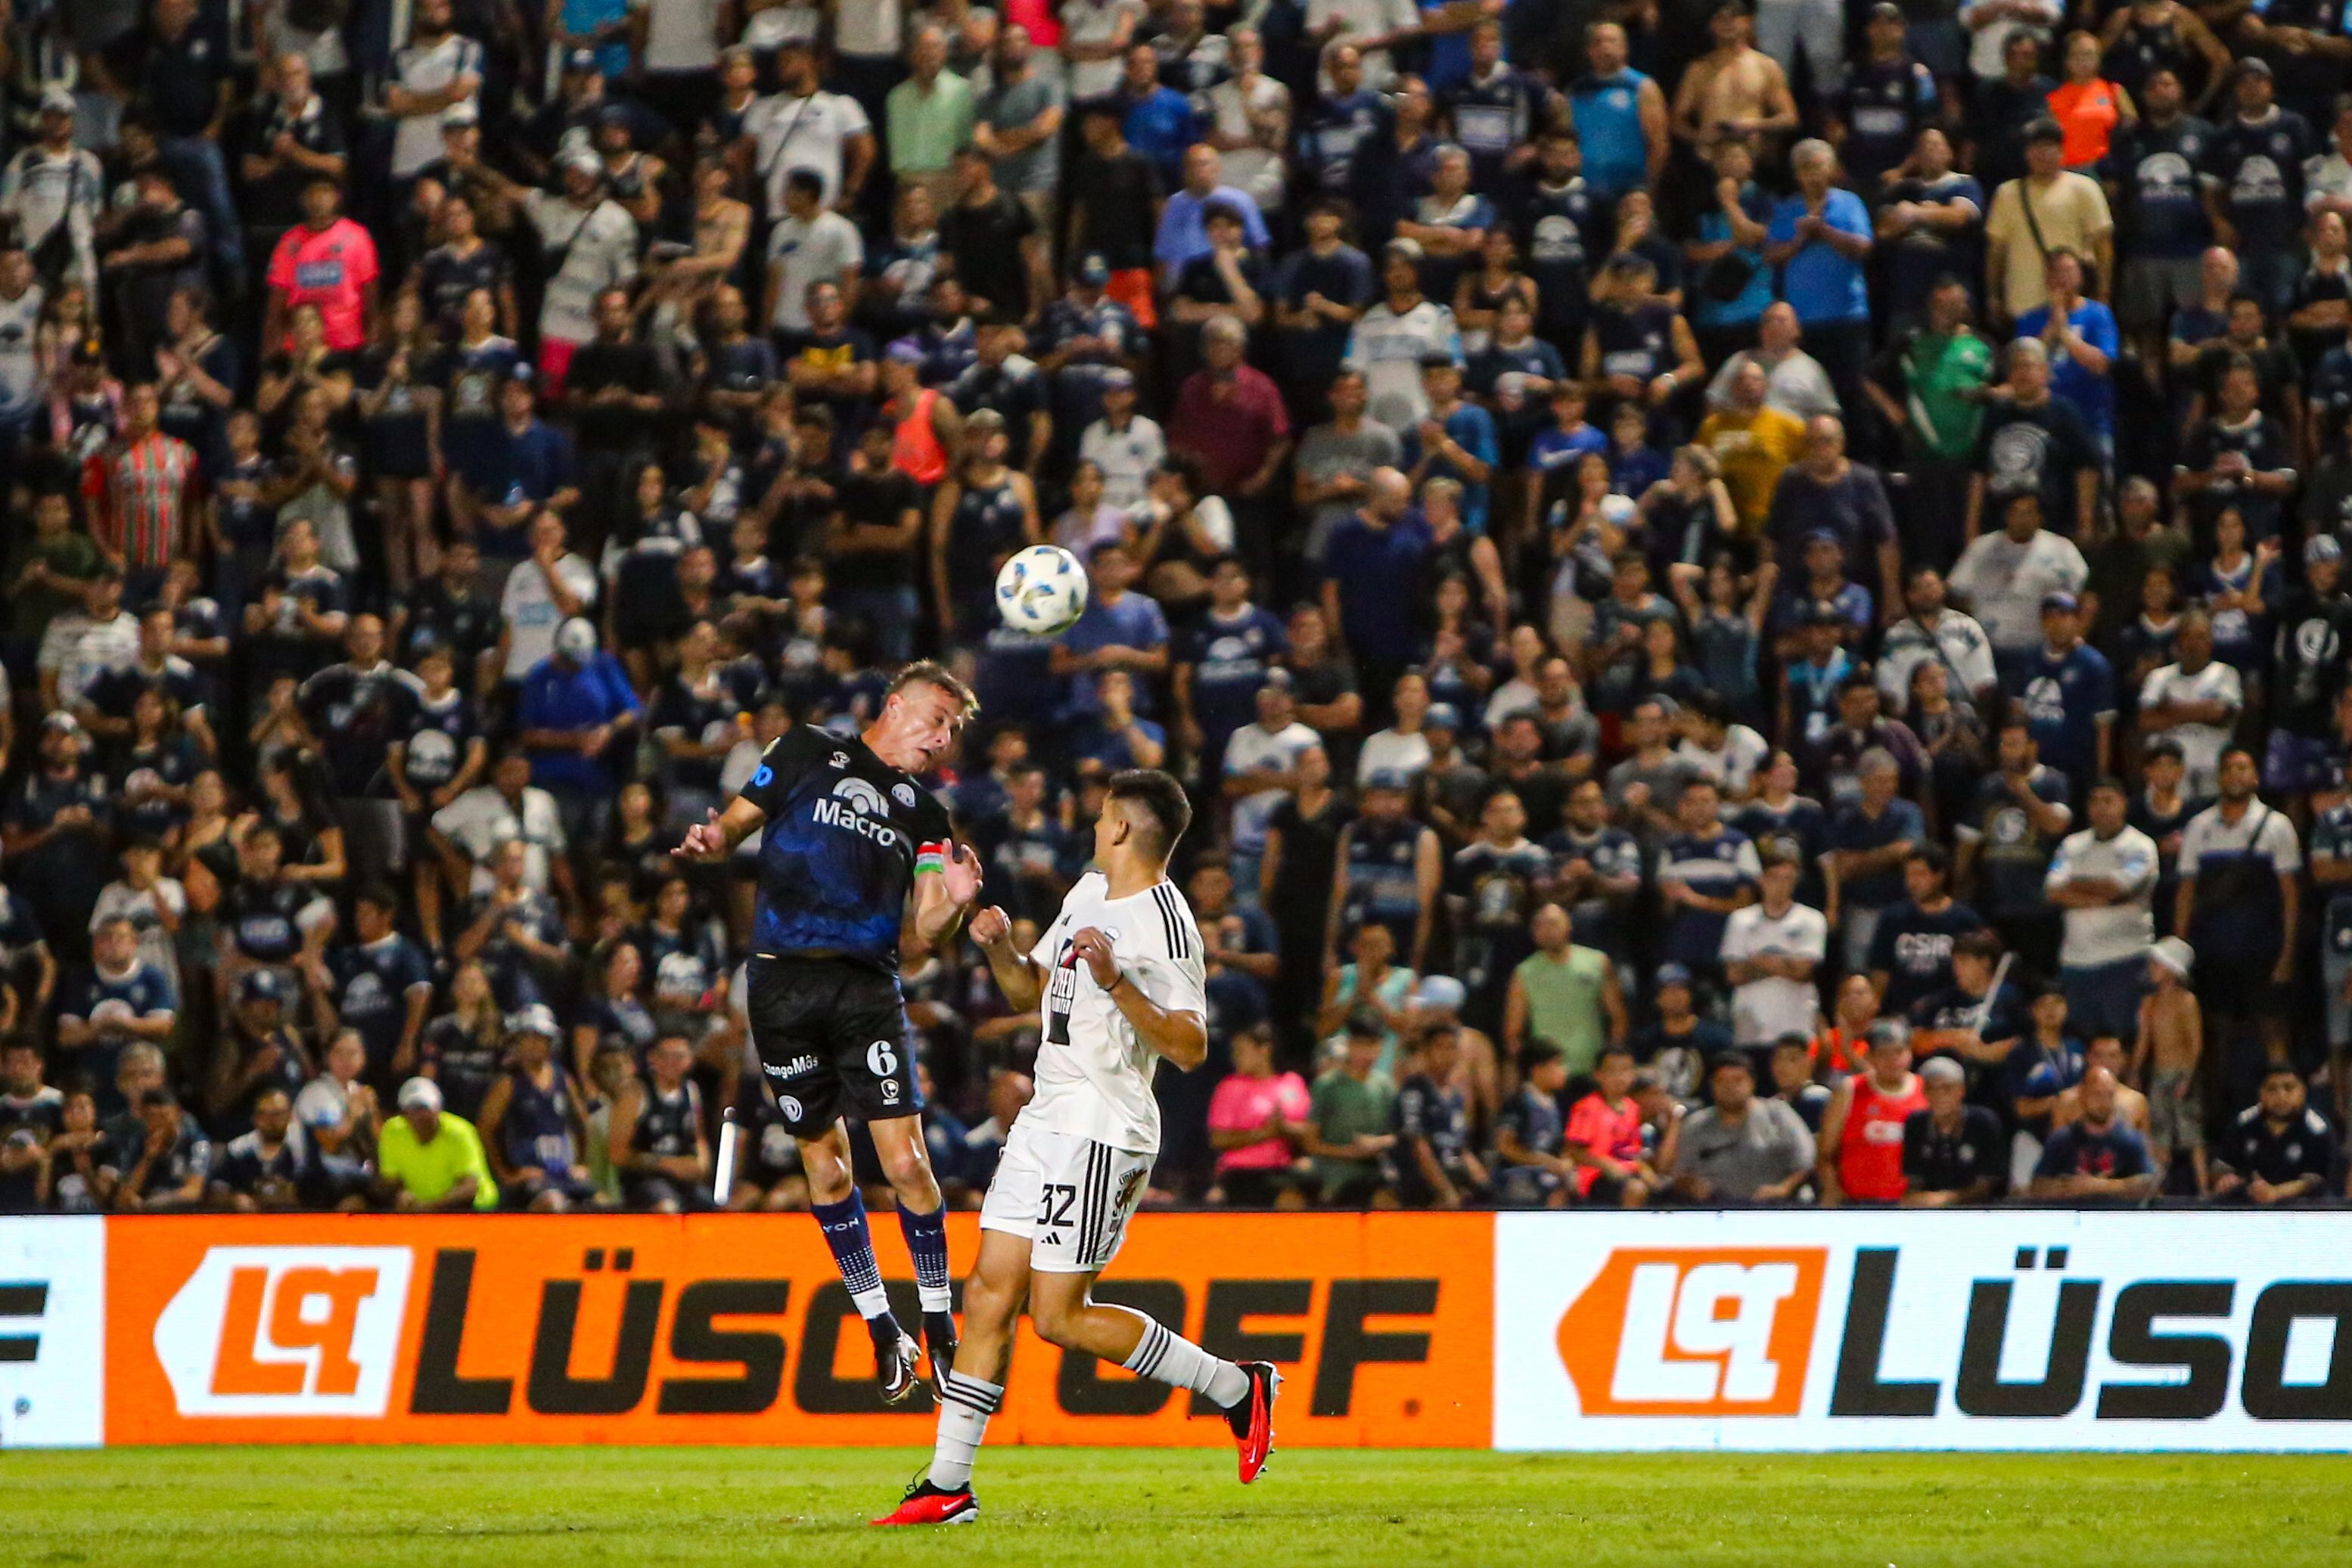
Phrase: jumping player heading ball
[846,833]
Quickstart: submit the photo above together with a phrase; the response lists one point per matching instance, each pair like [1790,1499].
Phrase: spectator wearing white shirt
[2006,576]
[1126,446]
[809,245]
[594,238]
[1095,37]
[1402,747]
[541,594]
[1371,26]
[1396,338]
[80,646]
[1261,770]
[805,127]
[1794,382]
[439,68]
[1934,632]
[2104,878]
[1771,951]
[154,904]
[1991,24]
[2327,179]
[2196,699]
[469,829]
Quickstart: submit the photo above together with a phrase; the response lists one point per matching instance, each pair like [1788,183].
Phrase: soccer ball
[1042,590]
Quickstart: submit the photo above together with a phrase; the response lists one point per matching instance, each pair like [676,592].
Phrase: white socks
[964,1410]
[967,1403]
[1168,1357]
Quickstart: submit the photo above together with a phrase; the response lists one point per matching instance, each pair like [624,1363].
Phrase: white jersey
[599,246]
[2200,744]
[2109,933]
[1094,1072]
[1958,643]
[1390,350]
[1765,1008]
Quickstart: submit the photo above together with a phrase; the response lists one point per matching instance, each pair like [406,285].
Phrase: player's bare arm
[1018,976]
[944,892]
[1181,1036]
[715,837]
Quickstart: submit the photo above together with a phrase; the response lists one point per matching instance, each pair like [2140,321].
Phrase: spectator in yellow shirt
[434,1160]
[1754,442]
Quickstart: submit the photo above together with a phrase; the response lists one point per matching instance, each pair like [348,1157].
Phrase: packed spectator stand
[1752,602]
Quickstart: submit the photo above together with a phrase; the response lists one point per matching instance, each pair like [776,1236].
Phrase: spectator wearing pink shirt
[1254,1118]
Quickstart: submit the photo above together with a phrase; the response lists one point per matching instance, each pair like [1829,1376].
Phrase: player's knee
[910,1169]
[1056,1321]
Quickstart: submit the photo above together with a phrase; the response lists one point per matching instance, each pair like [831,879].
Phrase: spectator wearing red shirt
[1230,416]
[325,260]
[1255,1117]
[1859,1148]
[143,494]
[1604,1136]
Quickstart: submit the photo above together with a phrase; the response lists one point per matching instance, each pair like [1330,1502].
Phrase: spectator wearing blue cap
[257,1050]
[2068,690]
[1679,1040]
[1389,870]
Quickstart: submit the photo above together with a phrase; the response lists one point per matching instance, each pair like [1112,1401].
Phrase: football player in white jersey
[1119,977]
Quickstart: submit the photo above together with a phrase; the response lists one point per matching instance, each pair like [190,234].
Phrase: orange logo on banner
[236,1370]
[735,1329]
[1694,1331]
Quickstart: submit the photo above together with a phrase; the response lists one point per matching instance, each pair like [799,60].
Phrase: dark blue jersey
[536,1130]
[837,853]
[374,981]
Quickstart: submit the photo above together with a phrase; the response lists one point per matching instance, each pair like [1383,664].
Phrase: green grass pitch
[451,1508]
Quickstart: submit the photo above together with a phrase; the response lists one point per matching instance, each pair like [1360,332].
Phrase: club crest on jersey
[856,806]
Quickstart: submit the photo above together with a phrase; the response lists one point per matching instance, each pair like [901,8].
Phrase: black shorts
[832,1038]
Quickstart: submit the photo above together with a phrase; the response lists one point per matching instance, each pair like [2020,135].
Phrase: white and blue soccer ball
[1042,590]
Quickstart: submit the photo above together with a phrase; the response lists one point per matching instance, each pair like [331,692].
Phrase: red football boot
[928,1504]
[1253,1419]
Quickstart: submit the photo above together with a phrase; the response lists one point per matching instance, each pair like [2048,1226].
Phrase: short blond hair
[932,673]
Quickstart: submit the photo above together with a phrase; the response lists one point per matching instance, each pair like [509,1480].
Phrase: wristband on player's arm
[931,859]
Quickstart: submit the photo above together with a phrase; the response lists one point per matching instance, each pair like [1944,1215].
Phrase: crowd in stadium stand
[1752,599]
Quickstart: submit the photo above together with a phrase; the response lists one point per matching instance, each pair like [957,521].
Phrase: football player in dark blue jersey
[848,835]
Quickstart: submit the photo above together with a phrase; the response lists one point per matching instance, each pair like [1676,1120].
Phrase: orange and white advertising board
[735,1329]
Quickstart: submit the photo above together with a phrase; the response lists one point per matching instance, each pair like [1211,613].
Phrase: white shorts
[1069,1198]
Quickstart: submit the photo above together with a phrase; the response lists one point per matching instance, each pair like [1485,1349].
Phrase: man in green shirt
[1347,1118]
[50,570]
[1565,994]
[928,116]
[1939,372]
[433,1160]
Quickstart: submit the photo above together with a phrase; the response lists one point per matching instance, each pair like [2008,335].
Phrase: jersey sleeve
[782,766]
[1176,985]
